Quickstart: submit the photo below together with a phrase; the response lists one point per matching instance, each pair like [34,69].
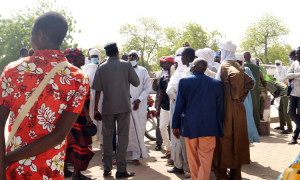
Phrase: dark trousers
[293,105]
[234,174]
[108,128]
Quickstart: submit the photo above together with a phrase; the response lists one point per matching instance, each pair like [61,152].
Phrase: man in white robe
[280,72]
[90,69]
[178,149]
[138,118]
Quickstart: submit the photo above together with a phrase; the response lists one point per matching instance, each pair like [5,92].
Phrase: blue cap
[216,54]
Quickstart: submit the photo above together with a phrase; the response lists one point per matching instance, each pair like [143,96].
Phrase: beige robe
[232,150]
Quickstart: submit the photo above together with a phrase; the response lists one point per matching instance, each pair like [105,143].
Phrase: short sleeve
[7,89]
[76,98]
[97,82]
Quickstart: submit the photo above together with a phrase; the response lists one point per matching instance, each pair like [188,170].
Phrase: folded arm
[41,145]
[171,91]
[291,73]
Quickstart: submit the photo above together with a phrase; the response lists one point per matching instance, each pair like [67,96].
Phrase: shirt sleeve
[271,87]
[97,82]
[171,91]
[7,89]
[78,96]
[220,107]
[291,73]
[146,86]
[179,106]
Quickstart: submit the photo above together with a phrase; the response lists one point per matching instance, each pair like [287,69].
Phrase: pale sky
[100,20]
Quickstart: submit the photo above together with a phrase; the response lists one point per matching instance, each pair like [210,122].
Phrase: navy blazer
[200,100]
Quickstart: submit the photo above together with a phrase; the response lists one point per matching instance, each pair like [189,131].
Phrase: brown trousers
[200,154]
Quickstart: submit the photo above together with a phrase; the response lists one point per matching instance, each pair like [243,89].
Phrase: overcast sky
[100,21]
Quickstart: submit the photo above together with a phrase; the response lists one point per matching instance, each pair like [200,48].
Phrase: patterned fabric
[71,53]
[294,73]
[65,91]
[297,161]
[78,151]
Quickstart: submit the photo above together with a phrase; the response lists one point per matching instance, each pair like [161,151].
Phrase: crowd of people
[209,108]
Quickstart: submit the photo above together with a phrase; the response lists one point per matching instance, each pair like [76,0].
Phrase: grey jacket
[114,78]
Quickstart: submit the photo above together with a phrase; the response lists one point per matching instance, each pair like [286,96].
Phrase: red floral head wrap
[71,53]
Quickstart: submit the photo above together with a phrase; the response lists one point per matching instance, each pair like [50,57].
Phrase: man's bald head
[199,65]
[247,56]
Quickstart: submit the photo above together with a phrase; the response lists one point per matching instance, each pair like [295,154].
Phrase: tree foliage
[264,33]
[191,32]
[279,52]
[144,36]
[16,32]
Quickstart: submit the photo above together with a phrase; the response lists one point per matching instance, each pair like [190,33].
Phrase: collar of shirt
[46,57]
[198,73]
[112,58]
[48,53]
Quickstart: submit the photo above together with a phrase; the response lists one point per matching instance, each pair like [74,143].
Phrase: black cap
[110,46]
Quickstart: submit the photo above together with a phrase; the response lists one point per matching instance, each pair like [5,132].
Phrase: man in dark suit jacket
[200,98]
[114,78]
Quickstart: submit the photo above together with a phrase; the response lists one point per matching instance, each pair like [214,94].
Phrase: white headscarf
[178,73]
[179,51]
[240,57]
[134,51]
[211,56]
[207,54]
[95,52]
[253,60]
[227,49]
[201,53]
[278,68]
[280,72]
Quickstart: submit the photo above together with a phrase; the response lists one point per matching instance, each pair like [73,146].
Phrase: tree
[16,32]
[191,32]
[144,37]
[262,34]
[279,52]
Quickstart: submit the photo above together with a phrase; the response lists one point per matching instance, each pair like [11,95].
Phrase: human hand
[272,102]
[157,114]
[176,133]
[97,115]
[89,121]
[136,104]
[155,80]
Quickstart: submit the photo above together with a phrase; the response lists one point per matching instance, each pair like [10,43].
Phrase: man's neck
[51,46]
[190,61]
[247,60]
[113,56]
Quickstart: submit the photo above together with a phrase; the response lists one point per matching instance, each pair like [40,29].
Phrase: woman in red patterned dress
[37,150]
[78,151]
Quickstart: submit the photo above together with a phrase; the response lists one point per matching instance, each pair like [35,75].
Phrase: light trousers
[200,154]
[164,122]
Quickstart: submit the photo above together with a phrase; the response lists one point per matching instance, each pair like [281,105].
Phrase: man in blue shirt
[200,98]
